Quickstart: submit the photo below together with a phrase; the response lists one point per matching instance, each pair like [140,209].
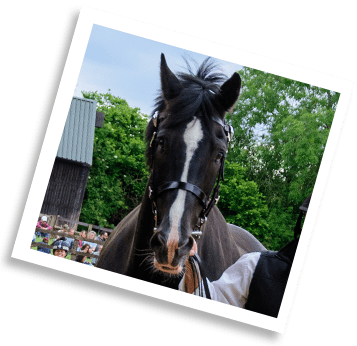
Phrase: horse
[187,141]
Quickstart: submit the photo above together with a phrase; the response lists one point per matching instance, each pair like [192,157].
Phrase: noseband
[207,203]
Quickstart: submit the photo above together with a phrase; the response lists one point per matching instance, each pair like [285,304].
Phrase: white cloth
[233,286]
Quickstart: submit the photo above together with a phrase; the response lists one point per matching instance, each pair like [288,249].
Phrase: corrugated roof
[78,134]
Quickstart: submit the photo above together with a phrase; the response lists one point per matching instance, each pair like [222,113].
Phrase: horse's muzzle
[167,268]
[170,255]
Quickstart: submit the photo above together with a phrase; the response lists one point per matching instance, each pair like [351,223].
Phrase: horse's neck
[145,224]
[215,247]
[142,235]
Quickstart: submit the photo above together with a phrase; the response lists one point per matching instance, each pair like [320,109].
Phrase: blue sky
[128,65]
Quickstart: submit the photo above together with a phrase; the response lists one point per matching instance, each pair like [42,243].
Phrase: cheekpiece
[154,118]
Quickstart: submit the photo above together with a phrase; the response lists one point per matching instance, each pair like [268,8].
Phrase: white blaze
[192,136]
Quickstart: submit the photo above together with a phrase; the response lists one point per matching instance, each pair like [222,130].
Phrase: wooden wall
[65,190]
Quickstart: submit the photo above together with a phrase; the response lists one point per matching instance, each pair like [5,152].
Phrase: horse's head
[187,144]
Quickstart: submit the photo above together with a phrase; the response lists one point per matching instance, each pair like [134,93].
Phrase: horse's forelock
[199,97]
[199,90]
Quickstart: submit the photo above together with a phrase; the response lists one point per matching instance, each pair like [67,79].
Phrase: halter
[206,202]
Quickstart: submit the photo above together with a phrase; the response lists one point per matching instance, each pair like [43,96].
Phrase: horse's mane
[200,95]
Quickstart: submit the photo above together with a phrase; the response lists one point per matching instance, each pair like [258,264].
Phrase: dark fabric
[297,229]
[267,288]
[305,205]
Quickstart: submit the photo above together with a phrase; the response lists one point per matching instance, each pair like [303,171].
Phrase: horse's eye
[219,157]
[160,144]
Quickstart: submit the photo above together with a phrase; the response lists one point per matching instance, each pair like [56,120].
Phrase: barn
[65,190]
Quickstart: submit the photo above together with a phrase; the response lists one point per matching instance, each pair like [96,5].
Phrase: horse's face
[188,148]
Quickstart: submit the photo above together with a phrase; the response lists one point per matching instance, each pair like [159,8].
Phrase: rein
[193,260]
[206,202]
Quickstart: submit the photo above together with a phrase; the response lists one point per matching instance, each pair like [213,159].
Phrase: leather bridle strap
[196,258]
[183,186]
[215,195]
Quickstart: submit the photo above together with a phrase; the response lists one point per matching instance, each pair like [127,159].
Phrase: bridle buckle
[196,234]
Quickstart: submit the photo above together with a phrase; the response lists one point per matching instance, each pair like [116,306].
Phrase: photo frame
[87,19]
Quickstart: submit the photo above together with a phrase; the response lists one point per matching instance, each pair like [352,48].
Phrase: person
[85,248]
[42,223]
[44,249]
[102,237]
[83,259]
[93,246]
[38,233]
[60,247]
[256,282]
[63,230]
[95,260]
[70,240]
[82,234]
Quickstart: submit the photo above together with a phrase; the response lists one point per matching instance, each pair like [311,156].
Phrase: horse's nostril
[185,248]
[190,242]
[157,241]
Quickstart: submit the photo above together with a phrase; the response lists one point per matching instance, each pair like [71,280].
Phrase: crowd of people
[63,243]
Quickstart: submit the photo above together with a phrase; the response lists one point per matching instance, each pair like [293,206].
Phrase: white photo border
[88,17]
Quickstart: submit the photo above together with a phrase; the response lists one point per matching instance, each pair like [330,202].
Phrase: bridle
[206,202]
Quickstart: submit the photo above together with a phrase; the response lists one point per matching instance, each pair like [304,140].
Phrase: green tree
[281,129]
[118,176]
[242,204]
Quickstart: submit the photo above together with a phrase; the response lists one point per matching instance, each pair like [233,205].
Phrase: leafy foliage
[118,176]
[281,129]
[242,204]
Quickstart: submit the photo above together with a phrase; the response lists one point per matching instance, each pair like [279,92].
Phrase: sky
[128,65]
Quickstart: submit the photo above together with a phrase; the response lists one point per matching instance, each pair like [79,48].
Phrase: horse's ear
[170,85]
[230,91]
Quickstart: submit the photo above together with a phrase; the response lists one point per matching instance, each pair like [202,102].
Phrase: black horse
[187,141]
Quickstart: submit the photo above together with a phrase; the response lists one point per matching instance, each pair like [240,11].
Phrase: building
[65,190]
